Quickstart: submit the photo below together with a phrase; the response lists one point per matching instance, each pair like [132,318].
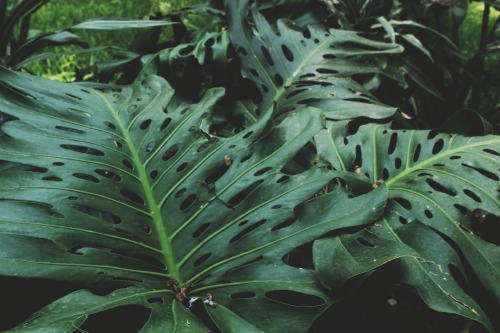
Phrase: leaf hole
[483,172]
[392,143]
[267,56]
[262,171]
[327,71]
[86,177]
[246,158]
[170,152]
[416,153]
[438,146]
[110,125]
[74,96]
[128,164]
[132,196]
[254,72]
[278,79]
[276,206]
[83,150]
[461,209]
[58,163]
[201,259]
[287,53]
[108,174]
[329,56]
[248,230]
[145,124]
[472,195]
[402,220]
[165,124]
[72,198]
[145,227]
[295,298]
[283,179]
[155,300]
[397,163]
[153,174]
[242,223]
[440,188]
[283,225]
[385,174]
[52,179]
[491,151]
[239,197]
[403,203]
[182,167]
[179,193]
[428,214]
[187,202]
[455,157]
[69,129]
[253,261]
[197,233]
[432,134]
[295,93]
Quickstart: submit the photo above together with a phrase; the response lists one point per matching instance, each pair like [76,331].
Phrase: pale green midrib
[162,232]
[437,157]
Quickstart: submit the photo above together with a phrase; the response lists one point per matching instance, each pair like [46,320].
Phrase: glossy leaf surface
[122,191]
[437,185]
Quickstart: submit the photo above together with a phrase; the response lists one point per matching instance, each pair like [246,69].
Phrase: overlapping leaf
[121,191]
[313,66]
[436,183]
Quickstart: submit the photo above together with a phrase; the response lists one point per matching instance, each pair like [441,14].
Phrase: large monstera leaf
[123,191]
[437,184]
[293,66]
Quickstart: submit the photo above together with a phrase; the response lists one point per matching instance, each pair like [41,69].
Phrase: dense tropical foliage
[253,166]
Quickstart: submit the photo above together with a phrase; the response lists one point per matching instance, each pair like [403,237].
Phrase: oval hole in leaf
[132,196]
[52,179]
[108,174]
[86,177]
[145,227]
[403,202]
[385,174]
[238,198]
[128,164]
[440,188]
[262,171]
[294,298]
[416,153]
[182,167]
[283,179]
[71,130]
[201,259]
[83,150]
[491,151]
[179,193]
[455,157]
[153,174]
[145,124]
[165,123]
[254,72]
[402,220]
[246,158]
[276,206]
[485,173]
[278,79]
[267,56]
[216,174]
[295,92]
[110,125]
[327,71]
[461,209]
[253,261]
[472,195]
[243,295]
[287,53]
[283,225]
[392,143]
[248,230]
[428,214]
[187,202]
[171,152]
[242,223]
[432,134]
[438,146]
[155,300]
[397,163]
[201,230]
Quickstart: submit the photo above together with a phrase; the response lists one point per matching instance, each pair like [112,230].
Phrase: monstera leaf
[126,194]
[437,184]
[313,66]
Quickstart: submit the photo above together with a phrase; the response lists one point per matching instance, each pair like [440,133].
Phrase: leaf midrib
[150,200]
